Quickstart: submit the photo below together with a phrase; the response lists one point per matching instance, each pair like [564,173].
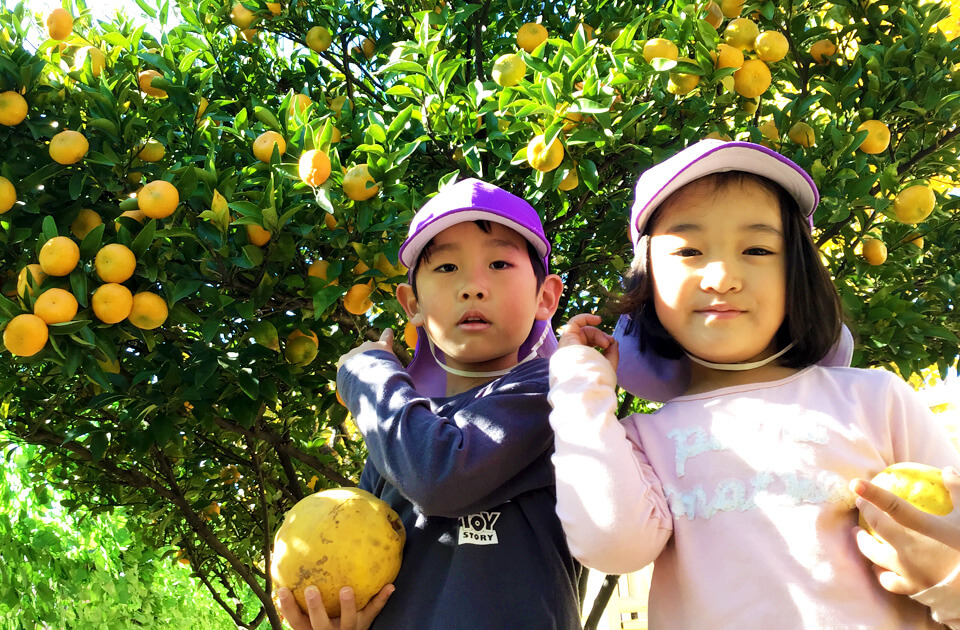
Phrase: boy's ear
[550,294]
[409,303]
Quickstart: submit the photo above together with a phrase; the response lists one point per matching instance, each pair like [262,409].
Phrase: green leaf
[143,241]
[49,228]
[91,242]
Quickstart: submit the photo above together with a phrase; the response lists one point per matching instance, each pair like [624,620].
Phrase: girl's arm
[609,500]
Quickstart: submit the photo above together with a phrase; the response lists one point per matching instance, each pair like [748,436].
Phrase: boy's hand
[384,343]
[581,331]
[316,617]
[918,550]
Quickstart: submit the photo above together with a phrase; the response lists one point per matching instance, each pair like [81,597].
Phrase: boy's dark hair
[539,271]
[813,308]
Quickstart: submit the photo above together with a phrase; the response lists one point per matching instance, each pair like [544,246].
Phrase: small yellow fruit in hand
[263,145]
[357,183]
[878,136]
[531,35]
[508,69]
[68,147]
[145,80]
[55,306]
[919,484]
[13,108]
[158,199]
[314,167]
[59,256]
[542,157]
[149,310]
[318,39]
[660,48]
[115,263]
[112,303]
[59,24]
[25,335]
[914,204]
[8,194]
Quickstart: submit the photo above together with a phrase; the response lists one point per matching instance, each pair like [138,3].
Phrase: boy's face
[478,296]
[718,263]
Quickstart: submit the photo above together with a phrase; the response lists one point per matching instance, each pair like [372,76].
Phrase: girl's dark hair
[539,271]
[813,309]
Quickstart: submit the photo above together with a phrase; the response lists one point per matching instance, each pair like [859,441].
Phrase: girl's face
[718,265]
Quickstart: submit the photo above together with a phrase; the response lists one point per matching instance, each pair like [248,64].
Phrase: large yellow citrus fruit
[681,83]
[13,108]
[318,39]
[55,306]
[59,256]
[741,33]
[263,145]
[542,157]
[158,199]
[257,235]
[919,484]
[752,79]
[874,251]
[314,167]
[145,80]
[531,35]
[112,303]
[98,60]
[115,263]
[357,300]
[821,51]
[68,147]
[658,47]
[914,204]
[878,136]
[357,183]
[149,310]
[29,277]
[152,151]
[59,24]
[241,16]
[731,8]
[508,69]
[361,545]
[802,134]
[771,46]
[8,194]
[25,335]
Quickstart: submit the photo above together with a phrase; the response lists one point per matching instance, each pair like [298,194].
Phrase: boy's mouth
[472,320]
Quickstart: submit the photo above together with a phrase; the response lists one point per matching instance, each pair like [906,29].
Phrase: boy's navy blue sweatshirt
[471,478]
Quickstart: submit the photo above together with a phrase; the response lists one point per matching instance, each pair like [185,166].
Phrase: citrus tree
[202,210]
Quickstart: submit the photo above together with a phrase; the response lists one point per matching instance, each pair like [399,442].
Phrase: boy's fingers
[348,604]
[387,336]
[291,610]
[375,605]
[318,614]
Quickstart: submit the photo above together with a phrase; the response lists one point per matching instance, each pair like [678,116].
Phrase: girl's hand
[581,331]
[918,550]
[316,617]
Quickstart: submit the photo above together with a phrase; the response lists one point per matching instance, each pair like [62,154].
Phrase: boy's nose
[720,277]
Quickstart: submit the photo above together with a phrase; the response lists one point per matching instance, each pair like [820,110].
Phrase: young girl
[737,486]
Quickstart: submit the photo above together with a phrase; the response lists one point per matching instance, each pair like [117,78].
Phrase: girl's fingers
[318,614]
[374,606]
[348,603]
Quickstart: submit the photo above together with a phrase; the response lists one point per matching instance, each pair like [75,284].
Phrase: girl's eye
[499,264]
[686,251]
[758,251]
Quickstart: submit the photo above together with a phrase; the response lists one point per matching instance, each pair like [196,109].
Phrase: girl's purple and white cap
[471,200]
[644,373]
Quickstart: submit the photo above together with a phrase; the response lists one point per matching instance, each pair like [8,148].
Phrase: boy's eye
[686,251]
[758,251]
[445,268]
[499,264]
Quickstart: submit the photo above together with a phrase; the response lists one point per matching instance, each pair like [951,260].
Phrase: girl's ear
[549,297]
[409,303]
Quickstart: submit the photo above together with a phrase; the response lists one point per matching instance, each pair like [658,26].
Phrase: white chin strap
[738,367]
[466,373]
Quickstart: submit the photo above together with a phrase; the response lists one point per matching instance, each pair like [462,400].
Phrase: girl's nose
[721,277]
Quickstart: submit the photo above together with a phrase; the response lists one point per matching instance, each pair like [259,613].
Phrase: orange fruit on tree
[112,303]
[98,60]
[508,69]
[300,350]
[59,256]
[115,263]
[357,183]
[29,277]
[802,134]
[367,46]
[874,251]
[314,167]
[299,333]
[55,306]
[241,16]
[660,48]
[768,129]
[752,79]
[878,136]
[731,8]
[357,300]
[771,46]
[152,151]
[158,199]
[68,147]
[145,80]
[542,157]
[275,8]
[337,104]
[148,311]
[531,35]
[914,203]
[137,215]
[299,104]
[263,145]
[822,50]
[410,335]
[318,39]
[681,83]
[318,269]
[59,24]
[257,235]
[727,57]
[741,33]
[25,335]
[571,180]
[13,108]
[8,194]
[713,14]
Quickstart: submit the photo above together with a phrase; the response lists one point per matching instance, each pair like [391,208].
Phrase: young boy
[460,442]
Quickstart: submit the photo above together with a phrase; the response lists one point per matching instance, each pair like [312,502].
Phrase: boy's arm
[609,499]
[450,466]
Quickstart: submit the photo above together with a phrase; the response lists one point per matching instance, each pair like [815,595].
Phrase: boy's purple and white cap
[471,200]
[644,373]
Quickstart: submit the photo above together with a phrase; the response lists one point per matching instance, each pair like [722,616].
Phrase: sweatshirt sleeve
[943,599]
[450,466]
[609,500]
